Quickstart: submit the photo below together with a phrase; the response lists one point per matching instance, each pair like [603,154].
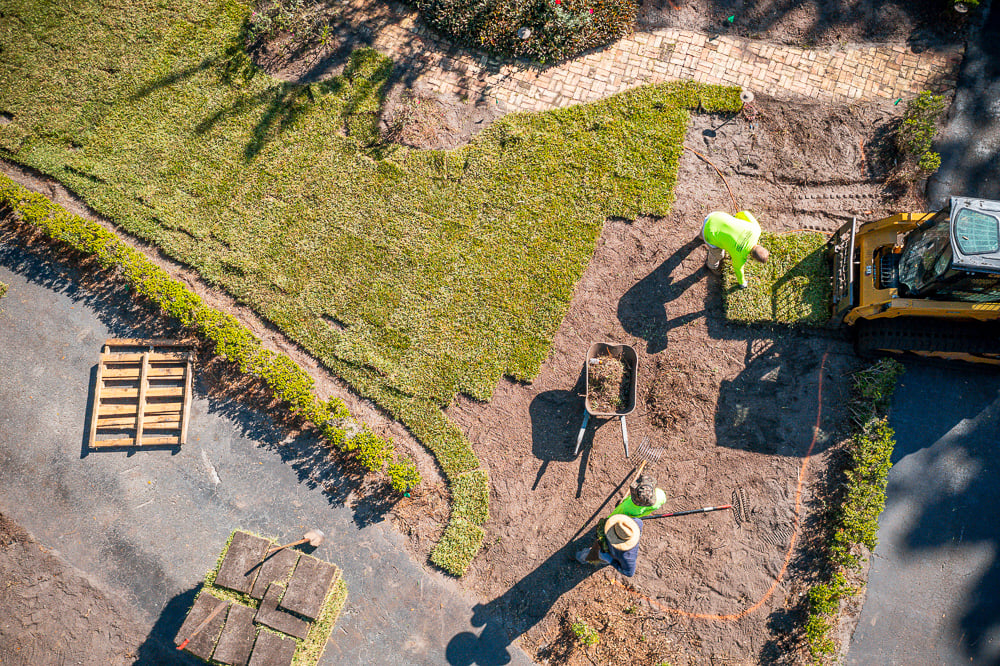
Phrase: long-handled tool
[204,623]
[592,555]
[314,537]
[705,509]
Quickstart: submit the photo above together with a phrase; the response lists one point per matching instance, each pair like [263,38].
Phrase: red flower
[591,11]
[558,2]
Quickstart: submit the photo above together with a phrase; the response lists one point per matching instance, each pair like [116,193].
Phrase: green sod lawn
[414,275]
[793,287]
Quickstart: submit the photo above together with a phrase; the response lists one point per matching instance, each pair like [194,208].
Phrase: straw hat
[622,532]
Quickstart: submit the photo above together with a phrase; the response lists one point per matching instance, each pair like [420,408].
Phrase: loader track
[956,340]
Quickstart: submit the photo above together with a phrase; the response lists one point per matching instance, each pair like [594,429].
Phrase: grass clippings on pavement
[414,275]
[793,287]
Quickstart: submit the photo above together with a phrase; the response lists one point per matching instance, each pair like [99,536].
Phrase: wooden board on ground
[278,567]
[269,615]
[203,643]
[308,587]
[272,650]
[142,396]
[237,637]
[238,570]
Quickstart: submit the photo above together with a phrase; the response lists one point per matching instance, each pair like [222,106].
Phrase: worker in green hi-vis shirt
[738,236]
[643,499]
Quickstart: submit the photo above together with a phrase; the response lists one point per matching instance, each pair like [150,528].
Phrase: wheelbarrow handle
[624,435]
[583,429]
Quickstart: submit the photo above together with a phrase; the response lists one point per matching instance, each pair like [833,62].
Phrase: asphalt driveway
[934,588]
[148,525]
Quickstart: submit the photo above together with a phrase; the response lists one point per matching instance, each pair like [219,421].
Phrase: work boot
[581,557]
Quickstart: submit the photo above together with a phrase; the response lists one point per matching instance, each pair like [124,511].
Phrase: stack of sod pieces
[309,649]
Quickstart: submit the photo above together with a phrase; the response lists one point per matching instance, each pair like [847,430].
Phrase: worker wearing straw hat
[738,236]
[621,533]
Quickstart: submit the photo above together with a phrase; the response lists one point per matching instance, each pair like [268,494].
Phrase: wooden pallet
[143,394]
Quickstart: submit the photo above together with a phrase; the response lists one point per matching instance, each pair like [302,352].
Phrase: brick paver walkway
[847,73]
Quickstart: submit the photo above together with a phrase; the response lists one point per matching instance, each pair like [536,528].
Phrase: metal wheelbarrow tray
[626,354]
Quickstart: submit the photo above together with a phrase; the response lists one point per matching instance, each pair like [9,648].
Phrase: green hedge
[855,520]
[229,339]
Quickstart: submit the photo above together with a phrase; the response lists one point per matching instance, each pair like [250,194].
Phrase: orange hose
[717,170]
[791,544]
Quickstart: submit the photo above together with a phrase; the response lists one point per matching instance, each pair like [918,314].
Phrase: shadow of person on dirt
[642,310]
[158,648]
[520,608]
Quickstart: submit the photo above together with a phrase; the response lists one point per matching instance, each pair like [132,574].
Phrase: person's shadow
[520,608]
[642,310]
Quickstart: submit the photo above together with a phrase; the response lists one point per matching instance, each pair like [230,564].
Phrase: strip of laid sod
[793,287]
[412,274]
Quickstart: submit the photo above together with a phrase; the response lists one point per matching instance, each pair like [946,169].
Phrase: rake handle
[705,509]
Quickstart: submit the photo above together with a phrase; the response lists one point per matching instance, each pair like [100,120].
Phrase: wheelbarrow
[627,356]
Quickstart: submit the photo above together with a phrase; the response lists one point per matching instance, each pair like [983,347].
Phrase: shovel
[314,537]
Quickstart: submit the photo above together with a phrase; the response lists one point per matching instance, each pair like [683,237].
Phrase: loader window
[926,255]
[976,232]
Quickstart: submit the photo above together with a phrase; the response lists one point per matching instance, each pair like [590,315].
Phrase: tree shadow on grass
[364,81]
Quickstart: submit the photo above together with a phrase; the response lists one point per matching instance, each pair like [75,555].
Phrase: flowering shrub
[542,30]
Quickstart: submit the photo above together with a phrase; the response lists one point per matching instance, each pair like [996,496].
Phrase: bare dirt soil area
[923,24]
[51,613]
[726,408]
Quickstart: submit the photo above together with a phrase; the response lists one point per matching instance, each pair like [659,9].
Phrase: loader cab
[954,255]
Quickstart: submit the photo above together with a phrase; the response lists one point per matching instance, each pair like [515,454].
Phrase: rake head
[648,452]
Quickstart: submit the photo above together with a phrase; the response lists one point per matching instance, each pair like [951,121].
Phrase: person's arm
[738,262]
